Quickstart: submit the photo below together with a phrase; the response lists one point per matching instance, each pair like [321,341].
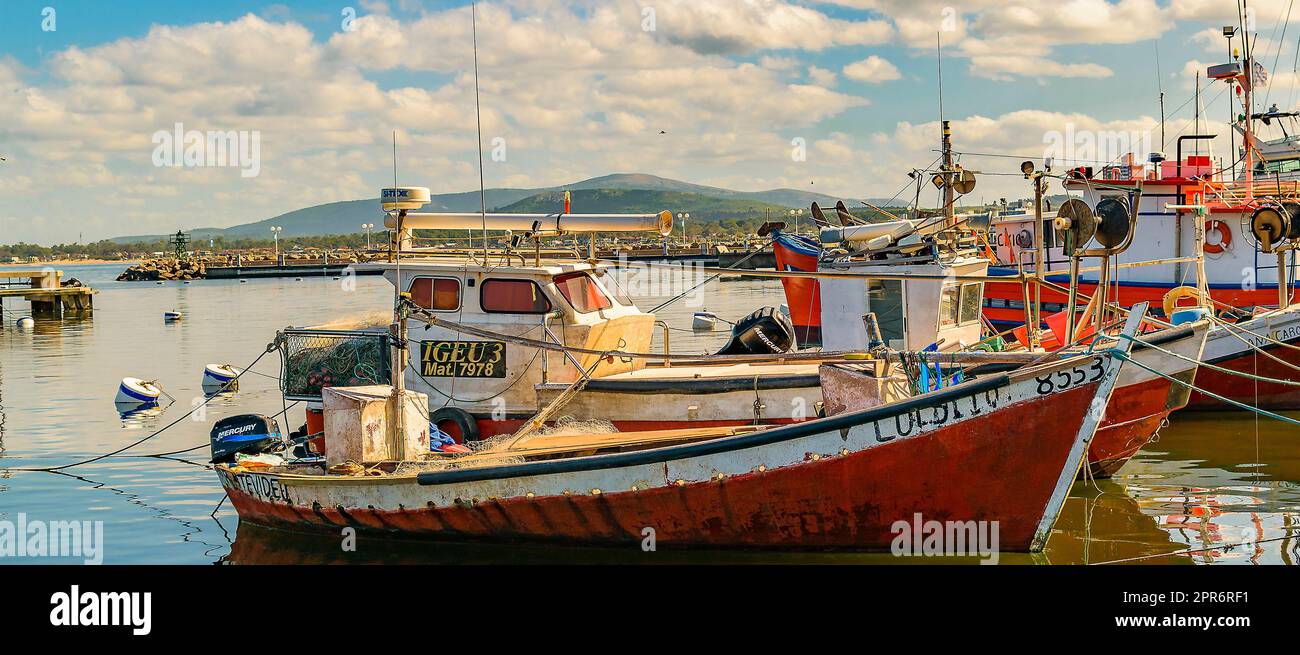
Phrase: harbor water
[1215,488]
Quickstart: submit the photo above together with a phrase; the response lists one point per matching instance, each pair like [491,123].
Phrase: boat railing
[1237,193]
[667,334]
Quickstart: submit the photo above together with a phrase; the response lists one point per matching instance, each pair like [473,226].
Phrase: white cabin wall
[844,301]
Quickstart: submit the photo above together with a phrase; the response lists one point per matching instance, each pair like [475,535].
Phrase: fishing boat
[1246,219]
[868,288]
[841,482]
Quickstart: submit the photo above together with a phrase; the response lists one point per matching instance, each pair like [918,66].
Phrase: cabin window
[885,299]
[972,296]
[582,292]
[949,305]
[512,297]
[441,294]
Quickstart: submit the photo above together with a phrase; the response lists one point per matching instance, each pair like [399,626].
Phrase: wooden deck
[44,289]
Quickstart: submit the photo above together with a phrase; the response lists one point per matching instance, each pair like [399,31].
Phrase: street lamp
[367,227]
[682,217]
[275,234]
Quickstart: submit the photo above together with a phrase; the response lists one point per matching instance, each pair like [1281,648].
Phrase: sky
[834,96]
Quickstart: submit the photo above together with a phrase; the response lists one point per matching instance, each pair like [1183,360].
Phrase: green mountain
[617,194]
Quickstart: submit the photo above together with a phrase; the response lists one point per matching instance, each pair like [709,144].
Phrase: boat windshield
[582,292]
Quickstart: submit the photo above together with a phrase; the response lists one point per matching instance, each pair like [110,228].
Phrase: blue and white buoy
[137,392]
[220,377]
[26,323]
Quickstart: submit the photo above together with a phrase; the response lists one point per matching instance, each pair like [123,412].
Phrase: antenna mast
[478,118]
[949,212]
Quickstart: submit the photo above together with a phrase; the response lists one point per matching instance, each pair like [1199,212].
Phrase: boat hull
[1144,399]
[843,482]
[1236,351]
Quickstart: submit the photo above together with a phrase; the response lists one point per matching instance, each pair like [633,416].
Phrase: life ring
[1178,293]
[456,422]
[1225,237]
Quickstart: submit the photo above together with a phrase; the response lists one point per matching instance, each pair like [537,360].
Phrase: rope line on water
[48,469]
[1193,551]
[207,443]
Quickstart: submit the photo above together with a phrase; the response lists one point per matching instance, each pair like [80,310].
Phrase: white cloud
[873,70]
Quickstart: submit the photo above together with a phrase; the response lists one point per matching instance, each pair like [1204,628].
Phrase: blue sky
[570,90]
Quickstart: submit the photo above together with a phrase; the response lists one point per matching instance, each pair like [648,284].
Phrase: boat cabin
[572,303]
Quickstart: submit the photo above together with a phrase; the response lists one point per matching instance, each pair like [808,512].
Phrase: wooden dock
[45,290]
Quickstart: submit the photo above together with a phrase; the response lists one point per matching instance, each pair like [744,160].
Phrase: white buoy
[134,391]
[220,377]
[704,321]
[26,323]
[172,316]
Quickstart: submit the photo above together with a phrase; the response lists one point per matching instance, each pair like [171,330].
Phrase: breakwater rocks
[165,269]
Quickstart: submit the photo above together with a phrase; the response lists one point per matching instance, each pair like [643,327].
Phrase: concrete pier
[45,290]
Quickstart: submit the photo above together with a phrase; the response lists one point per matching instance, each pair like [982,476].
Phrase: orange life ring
[1225,237]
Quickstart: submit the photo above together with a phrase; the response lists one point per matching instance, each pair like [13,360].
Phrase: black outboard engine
[765,332]
[247,433]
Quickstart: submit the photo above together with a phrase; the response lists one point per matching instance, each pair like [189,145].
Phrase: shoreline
[69,262]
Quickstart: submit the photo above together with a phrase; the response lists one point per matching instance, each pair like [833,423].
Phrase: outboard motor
[765,332]
[250,434]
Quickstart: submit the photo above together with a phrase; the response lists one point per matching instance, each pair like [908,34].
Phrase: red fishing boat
[842,482]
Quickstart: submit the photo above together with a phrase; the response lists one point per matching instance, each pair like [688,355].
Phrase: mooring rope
[1262,412]
[1215,367]
[1230,329]
[1193,551]
[1255,334]
[275,345]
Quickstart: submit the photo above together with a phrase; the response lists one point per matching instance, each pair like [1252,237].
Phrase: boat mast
[1247,104]
[949,212]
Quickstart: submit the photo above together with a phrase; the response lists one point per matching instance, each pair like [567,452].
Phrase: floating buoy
[134,391]
[220,377]
[26,323]
[297,279]
[243,281]
[704,321]
[172,316]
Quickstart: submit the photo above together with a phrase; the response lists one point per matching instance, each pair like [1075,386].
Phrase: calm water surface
[1210,480]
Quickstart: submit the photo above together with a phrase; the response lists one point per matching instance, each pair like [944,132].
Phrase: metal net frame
[315,359]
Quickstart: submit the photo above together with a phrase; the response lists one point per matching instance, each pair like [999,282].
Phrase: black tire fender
[465,423]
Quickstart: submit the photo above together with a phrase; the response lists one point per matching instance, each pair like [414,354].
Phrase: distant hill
[705,202]
[645,201]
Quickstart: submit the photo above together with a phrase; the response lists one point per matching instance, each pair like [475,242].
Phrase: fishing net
[315,359]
